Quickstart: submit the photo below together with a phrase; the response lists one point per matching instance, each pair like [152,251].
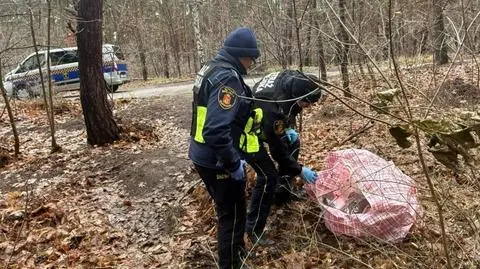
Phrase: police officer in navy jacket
[221,134]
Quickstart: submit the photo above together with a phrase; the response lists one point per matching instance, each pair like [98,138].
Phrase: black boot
[283,191]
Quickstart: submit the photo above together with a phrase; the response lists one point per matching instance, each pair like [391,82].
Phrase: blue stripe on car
[73,74]
[57,77]
[122,67]
[108,69]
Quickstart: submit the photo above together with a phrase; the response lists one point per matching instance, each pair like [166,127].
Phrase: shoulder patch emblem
[227,98]
[279,127]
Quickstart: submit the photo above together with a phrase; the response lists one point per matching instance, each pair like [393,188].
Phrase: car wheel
[111,88]
[21,92]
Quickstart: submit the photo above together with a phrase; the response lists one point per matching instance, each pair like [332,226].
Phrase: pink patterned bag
[364,196]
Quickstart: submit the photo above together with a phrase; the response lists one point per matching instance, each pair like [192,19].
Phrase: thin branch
[10,114]
[361,100]
[55,146]
[362,130]
[355,110]
[417,139]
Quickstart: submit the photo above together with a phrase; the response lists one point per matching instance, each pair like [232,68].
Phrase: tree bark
[140,33]
[173,37]
[99,122]
[440,55]
[143,57]
[343,49]
[194,7]
[55,146]
[289,34]
[309,36]
[322,66]
[166,63]
[297,33]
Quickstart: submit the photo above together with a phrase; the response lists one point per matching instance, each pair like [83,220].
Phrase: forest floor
[139,204]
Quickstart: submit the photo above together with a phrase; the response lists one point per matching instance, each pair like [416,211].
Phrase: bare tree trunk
[174,44]
[308,51]
[48,107]
[322,66]
[55,146]
[176,52]
[154,64]
[281,41]
[343,49]
[297,32]
[166,70]
[140,33]
[310,32]
[194,6]
[440,55]
[143,57]
[10,115]
[99,122]
[289,34]
[189,63]
[186,42]
[195,62]
[471,45]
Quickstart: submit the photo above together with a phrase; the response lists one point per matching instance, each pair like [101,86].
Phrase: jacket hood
[303,85]
[224,56]
[295,85]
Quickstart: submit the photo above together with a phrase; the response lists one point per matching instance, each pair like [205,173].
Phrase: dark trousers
[263,192]
[229,197]
[283,190]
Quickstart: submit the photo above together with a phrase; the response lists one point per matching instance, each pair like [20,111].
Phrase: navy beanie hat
[242,43]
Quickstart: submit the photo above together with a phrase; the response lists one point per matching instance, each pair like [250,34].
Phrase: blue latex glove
[292,136]
[308,175]
[239,174]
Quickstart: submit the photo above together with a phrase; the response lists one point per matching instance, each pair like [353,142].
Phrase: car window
[118,52]
[112,51]
[33,62]
[64,57]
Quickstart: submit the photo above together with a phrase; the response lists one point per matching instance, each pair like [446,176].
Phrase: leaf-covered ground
[139,204]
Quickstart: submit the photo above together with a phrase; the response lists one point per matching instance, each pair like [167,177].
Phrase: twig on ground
[365,128]
[189,191]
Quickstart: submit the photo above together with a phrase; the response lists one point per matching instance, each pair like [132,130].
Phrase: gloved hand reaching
[292,135]
[239,174]
[308,175]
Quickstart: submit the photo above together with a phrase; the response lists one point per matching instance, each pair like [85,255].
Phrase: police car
[25,79]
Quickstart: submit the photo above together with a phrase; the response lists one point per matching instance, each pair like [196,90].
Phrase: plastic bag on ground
[365,196]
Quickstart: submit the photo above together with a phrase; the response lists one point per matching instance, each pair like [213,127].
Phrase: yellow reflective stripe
[201,115]
[258,120]
[252,139]
[252,143]
[249,139]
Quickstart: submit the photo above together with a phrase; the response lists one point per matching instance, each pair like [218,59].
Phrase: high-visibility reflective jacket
[224,125]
